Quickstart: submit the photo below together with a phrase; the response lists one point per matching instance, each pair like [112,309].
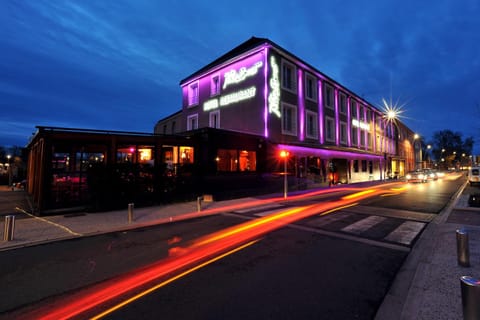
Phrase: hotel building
[260,89]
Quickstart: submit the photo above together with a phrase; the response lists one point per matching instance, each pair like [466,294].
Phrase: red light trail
[195,254]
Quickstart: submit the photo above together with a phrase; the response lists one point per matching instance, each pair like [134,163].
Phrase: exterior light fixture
[284,154]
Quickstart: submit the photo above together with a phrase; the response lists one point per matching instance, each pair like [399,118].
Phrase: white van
[474,175]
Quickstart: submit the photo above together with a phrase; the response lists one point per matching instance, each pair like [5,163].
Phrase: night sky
[116,65]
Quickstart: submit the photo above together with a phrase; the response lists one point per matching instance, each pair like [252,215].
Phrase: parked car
[431,175]
[416,176]
[474,175]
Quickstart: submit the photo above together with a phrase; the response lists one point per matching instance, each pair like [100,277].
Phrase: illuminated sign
[230,98]
[274,96]
[361,124]
[233,76]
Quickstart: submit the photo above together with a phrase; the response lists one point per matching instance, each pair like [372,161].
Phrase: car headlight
[409,176]
[421,176]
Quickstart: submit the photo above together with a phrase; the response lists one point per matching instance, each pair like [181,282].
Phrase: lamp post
[417,148]
[284,154]
[429,161]
[9,171]
[389,117]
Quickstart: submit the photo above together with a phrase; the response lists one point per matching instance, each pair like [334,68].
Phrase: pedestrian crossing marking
[406,232]
[324,220]
[363,225]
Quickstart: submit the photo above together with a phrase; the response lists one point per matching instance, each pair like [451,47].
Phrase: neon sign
[361,124]
[274,96]
[230,98]
[233,76]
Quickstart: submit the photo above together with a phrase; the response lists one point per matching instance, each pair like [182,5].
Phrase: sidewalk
[32,230]
[427,286]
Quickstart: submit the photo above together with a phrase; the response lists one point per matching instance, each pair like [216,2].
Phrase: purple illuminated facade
[261,90]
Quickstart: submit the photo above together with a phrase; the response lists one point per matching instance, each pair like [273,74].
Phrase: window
[289,76]
[354,136]
[164,129]
[173,127]
[312,120]
[362,113]
[192,122]
[215,85]
[310,87]
[214,119]
[364,165]
[343,103]
[193,94]
[186,154]
[236,160]
[329,129]
[362,138]
[329,97]
[343,132]
[289,119]
[355,165]
[353,108]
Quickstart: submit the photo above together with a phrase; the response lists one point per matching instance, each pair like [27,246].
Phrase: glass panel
[247,160]
[226,160]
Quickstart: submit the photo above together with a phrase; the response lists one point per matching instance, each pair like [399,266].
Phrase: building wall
[239,101]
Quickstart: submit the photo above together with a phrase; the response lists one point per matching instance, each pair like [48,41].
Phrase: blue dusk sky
[116,65]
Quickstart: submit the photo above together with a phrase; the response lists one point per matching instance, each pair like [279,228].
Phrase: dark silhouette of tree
[449,148]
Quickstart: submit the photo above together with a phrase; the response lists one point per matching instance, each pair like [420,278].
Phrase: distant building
[258,88]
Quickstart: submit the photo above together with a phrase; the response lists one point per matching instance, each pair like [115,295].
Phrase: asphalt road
[311,269]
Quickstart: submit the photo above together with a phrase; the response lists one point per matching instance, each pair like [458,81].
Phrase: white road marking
[406,232]
[363,225]
[324,220]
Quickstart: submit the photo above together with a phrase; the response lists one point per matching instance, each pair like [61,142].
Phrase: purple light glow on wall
[359,132]
[327,154]
[243,61]
[320,112]
[349,123]
[337,119]
[301,105]
[265,91]
[374,123]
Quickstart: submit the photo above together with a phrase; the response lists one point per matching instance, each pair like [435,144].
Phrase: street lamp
[9,171]
[284,154]
[417,149]
[429,162]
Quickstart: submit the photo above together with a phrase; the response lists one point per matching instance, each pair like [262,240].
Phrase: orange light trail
[164,283]
[358,194]
[202,249]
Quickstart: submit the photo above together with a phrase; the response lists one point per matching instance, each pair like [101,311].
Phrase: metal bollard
[470,297]
[130,212]
[463,251]
[9,228]
[199,203]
